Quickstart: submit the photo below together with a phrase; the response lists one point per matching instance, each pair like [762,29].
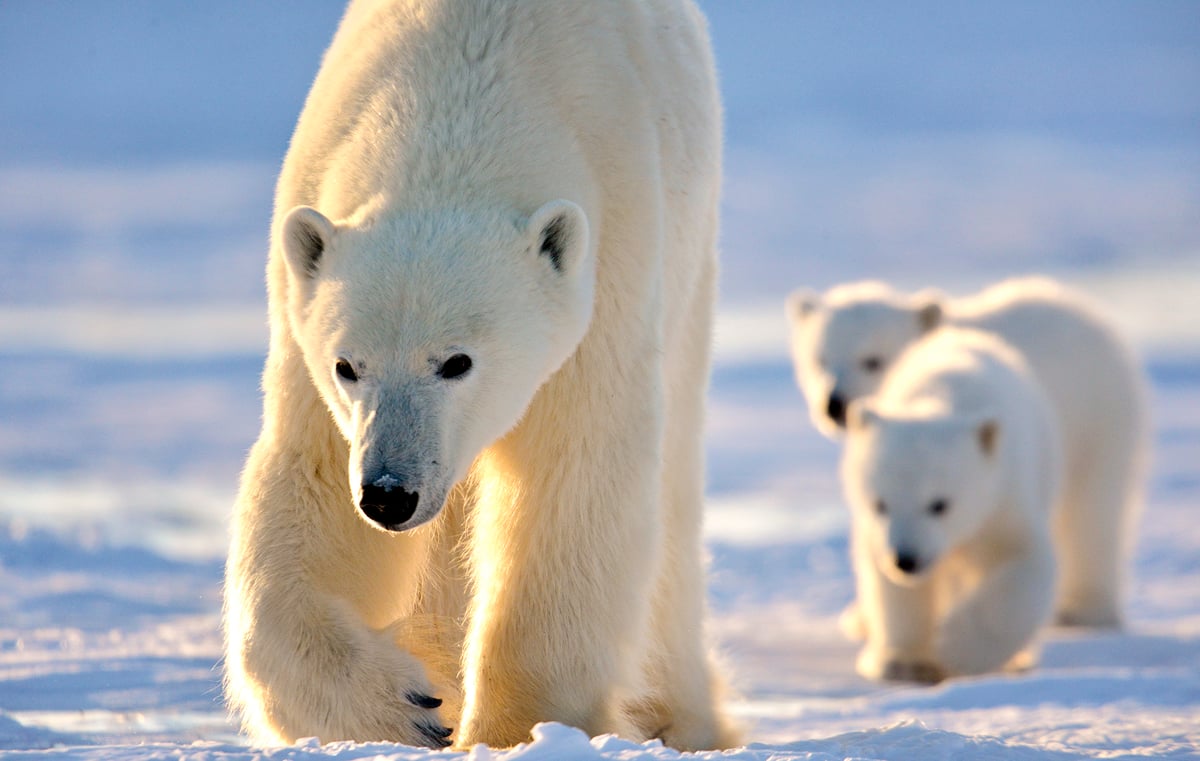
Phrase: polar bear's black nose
[389,506]
[907,562]
[836,409]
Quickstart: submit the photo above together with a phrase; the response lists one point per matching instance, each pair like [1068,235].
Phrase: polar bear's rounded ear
[860,415]
[988,434]
[801,303]
[306,234]
[559,231]
[928,307]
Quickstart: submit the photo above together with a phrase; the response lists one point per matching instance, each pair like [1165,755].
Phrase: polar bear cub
[950,471]
[475,502]
[845,341]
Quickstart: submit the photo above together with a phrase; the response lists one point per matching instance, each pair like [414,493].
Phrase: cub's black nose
[907,562]
[389,506]
[836,409]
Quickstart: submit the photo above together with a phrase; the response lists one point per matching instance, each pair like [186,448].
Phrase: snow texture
[137,152]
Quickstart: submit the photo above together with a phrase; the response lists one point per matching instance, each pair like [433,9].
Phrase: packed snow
[926,143]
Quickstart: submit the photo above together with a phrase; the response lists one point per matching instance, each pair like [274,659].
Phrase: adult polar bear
[845,341]
[491,281]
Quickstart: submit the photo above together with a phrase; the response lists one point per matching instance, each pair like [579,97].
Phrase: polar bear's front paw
[408,715]
[426,722]
[892,667]
[925,672]
[1094,617]
[363,700]
[851,623]
[387,697]
[410,718]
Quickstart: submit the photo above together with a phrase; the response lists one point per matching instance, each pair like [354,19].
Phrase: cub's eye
[345,370]
[455,367]
[872,364]
[880,507]
[938,507]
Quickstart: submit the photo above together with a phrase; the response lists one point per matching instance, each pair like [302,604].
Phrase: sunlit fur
[959,421]
[553,570]
[1094,384]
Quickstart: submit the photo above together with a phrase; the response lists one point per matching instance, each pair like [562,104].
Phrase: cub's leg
[1002,615]
[899,623]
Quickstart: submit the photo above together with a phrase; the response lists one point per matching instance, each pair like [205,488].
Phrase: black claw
[423,701]
[438,736]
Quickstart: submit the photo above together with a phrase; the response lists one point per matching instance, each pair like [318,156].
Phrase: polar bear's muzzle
[905,566]
[387,503]
[836,408]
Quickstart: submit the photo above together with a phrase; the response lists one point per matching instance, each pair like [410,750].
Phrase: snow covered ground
[928,143]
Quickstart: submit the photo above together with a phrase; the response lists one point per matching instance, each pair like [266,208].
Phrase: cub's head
[427,335]
[844,342]
[918,486]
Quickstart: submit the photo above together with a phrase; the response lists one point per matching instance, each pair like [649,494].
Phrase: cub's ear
[988,434]
[559,232]
[860,415]
[306,234]
[928,307]
[801,303]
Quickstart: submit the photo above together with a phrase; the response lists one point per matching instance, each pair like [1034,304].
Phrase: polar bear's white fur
[950,471]
[479,476]
[844,342]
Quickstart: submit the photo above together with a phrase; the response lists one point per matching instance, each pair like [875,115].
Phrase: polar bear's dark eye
[872,364]
[938,507]
[455,367]
[345,370]
[880,507]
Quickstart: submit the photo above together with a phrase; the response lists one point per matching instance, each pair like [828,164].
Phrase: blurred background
[925,143]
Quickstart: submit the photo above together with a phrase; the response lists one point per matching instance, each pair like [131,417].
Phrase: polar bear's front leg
[1093,527]
[309,594]
[680,703]
[311,668]
[565,535]
[1002,615]
[899,623]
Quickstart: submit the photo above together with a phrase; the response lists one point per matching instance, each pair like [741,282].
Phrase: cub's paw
[1026,660]
[851,623]
[891,667]
[924,672]
[1092,618]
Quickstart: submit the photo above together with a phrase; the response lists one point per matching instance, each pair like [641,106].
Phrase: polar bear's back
[959,370]
[1096,390]
[475,95]
[1085,366]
